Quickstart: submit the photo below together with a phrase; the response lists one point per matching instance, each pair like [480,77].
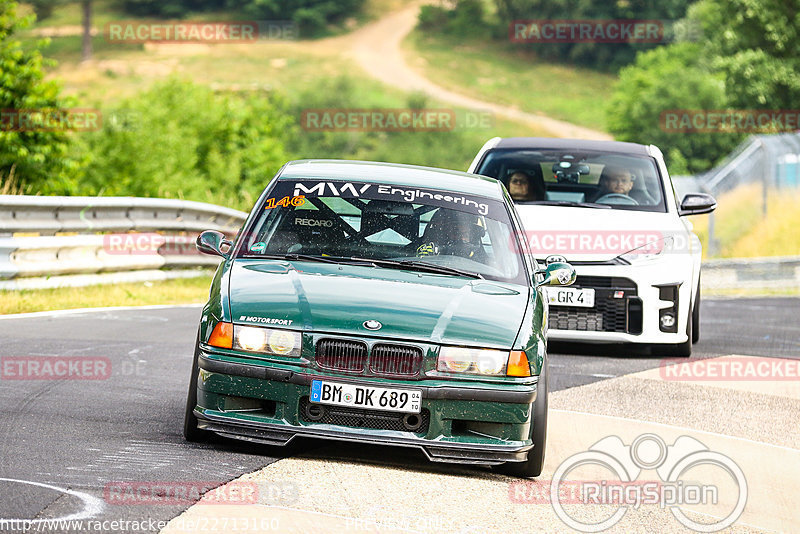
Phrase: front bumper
[641,312]
[465,424]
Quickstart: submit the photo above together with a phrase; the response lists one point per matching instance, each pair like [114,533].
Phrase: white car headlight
[473,361]
[267,340]
[647,252]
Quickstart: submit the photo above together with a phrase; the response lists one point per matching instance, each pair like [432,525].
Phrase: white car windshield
[583,178]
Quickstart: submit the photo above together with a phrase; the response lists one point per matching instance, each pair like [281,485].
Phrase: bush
[466,18]
[183,140]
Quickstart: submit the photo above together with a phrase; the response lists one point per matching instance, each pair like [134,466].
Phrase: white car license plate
[368,397]
[570,296]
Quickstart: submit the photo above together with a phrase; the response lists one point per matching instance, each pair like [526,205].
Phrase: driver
[454,233]
[614,180]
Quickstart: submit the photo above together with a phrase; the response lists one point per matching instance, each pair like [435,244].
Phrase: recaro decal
[314,222]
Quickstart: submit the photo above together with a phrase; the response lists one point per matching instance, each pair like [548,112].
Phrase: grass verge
[742,231]
[496,73]
[180,291]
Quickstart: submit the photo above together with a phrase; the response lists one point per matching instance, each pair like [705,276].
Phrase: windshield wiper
[571,203]
[301,257]
[419,266]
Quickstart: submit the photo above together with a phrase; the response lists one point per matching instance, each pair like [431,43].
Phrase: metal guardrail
[52,215]
[114,239]
[752,273]
[61,237]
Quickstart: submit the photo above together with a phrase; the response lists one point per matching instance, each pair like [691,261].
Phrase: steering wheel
[615,198]
[467,250]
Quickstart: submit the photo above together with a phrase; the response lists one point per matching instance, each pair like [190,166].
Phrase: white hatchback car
[610,210]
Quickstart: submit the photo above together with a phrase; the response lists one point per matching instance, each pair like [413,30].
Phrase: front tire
[682,350]
[696,316]
[532,467]
[190,430]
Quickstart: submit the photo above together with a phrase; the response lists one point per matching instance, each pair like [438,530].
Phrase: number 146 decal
[285,202]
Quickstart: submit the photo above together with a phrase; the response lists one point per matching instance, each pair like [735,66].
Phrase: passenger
[522,189]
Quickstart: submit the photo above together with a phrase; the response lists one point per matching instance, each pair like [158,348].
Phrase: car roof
[395,174]
[573,144]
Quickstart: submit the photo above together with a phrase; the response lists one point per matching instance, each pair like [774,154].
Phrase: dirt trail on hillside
[377,49]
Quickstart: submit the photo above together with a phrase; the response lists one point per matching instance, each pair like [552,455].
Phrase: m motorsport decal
[265,320]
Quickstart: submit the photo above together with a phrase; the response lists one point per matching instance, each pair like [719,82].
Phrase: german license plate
[570,296]
[367,397]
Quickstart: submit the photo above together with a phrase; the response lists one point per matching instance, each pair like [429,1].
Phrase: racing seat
[380,215]
[307,232]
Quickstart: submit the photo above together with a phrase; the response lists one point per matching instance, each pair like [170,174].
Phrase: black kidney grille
[395,360]
[342,354]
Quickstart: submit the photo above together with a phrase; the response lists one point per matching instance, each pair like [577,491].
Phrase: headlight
[646,252]
[267,340]
[473,361]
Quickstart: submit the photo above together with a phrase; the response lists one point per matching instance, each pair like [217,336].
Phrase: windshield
[585,178]
[343,221]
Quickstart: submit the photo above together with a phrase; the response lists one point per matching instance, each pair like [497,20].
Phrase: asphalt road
[85,436]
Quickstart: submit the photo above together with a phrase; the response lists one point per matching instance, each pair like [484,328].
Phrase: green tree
[670,78]
[600,56]
[756,45]
[36,157]
[748,58]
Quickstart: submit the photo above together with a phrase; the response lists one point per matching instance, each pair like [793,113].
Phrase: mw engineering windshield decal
[293,189]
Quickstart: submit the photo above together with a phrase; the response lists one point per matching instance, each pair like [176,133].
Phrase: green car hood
[410,305]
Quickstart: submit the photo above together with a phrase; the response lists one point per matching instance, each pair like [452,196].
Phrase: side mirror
[697,204]
[211,242]
[558,274]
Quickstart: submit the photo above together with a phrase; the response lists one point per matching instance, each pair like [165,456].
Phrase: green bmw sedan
[380,303]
